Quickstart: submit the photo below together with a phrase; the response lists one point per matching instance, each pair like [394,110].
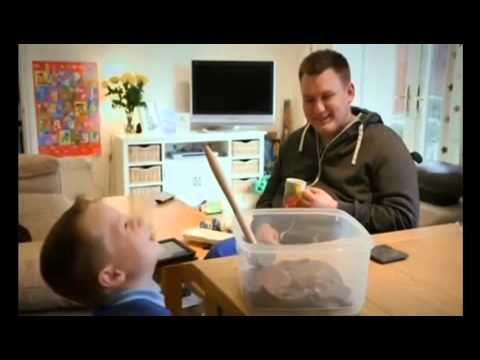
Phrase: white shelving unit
[145,163]
[145,184]
[190,178]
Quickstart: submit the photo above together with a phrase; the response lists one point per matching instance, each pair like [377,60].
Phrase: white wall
[168,67]
[354,53]
[372,67]
[379,79]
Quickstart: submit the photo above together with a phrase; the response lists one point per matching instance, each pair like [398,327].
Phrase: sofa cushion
[434,215]
[38,212]
[50,184]
[38,174]
[33,293]
[36,165]
[440,183]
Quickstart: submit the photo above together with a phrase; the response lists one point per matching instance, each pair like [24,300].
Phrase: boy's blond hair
[71,259]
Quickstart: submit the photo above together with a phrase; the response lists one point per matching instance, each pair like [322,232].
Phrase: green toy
[213,207]
[260,185]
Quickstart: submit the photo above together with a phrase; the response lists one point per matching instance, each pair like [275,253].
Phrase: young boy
[103,259]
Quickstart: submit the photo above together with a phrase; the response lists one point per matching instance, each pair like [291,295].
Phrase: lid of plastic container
[306,226]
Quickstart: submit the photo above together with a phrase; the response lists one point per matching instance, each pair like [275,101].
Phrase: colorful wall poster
[67,108]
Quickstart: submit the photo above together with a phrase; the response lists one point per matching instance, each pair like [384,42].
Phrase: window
[435,102]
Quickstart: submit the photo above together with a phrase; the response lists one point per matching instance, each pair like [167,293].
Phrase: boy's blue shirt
[144,302]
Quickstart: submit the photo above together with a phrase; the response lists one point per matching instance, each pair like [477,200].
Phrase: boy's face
[326,102]
[128,240]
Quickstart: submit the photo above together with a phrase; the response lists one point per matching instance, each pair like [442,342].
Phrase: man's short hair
[321,60]
[71,259]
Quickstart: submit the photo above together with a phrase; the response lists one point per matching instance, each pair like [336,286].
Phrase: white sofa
[441,193]
[40,204]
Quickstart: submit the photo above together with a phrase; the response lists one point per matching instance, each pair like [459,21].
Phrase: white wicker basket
[146,191]
[243,185]
[245,148]
[138,153]
[145,174]
[240,167]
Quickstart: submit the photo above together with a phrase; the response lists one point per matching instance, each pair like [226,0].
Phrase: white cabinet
[176,164]
[192,181]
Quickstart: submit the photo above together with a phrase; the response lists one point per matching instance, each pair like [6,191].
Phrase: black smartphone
[385,254]
[175,251]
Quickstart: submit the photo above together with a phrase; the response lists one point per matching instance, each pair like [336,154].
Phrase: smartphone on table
[385,254]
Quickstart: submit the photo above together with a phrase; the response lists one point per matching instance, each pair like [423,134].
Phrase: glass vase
[129,129]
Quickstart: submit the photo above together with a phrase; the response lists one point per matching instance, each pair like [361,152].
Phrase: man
[350,160]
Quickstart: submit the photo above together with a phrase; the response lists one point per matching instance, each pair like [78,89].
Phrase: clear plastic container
[319,267]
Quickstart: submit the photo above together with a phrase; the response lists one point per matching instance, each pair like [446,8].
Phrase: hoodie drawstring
[300,148]
[359,143]
[357,146]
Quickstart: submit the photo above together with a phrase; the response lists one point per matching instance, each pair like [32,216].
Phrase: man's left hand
[317,198]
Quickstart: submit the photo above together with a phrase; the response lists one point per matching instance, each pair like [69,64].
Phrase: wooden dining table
[428,282]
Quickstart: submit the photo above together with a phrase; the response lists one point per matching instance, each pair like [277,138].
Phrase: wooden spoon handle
[217,171]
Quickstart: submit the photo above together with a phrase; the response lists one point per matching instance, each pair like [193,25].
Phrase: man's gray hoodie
[366,168]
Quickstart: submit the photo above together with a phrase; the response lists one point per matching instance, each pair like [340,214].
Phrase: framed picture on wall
[67,108]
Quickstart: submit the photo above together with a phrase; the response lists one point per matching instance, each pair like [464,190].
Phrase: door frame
[29,127]
[453,98]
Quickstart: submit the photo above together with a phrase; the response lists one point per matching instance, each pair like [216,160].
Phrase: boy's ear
[110,277]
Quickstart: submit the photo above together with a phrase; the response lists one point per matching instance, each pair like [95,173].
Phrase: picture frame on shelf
[168,119]
[183,122]
[158,121]
[150,119]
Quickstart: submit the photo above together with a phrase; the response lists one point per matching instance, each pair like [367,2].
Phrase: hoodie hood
[363,116]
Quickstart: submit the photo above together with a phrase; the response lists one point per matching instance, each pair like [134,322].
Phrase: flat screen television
[232,93]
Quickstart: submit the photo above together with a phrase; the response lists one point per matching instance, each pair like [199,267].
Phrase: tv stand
[178,165]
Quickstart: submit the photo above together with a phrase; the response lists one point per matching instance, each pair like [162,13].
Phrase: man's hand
[266,234]
[313,197]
